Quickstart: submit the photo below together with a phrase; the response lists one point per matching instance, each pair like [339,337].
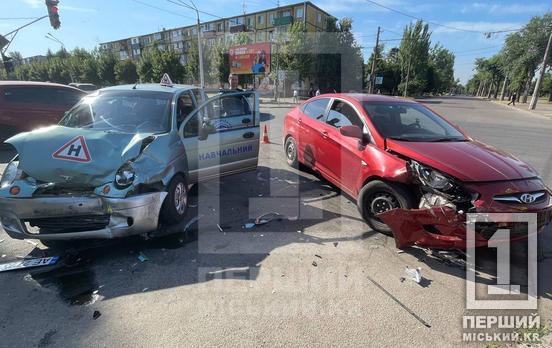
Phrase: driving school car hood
[465,160]
[75,156]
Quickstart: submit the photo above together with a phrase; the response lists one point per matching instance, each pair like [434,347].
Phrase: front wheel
[377,197]
[175,205]
[291,152]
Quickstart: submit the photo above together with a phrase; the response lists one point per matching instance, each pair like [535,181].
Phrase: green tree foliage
[414,57]
[106,68]
[125,71]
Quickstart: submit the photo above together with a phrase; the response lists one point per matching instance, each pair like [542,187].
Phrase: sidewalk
[544,108]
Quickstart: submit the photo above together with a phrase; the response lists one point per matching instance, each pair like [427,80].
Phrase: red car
[26,105]
[413,173]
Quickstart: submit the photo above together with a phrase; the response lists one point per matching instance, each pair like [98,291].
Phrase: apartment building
[260,26]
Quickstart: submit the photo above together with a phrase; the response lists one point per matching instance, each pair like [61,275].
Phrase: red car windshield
[410,122]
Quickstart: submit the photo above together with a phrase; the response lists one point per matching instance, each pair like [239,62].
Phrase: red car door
[310,122]
[340,156]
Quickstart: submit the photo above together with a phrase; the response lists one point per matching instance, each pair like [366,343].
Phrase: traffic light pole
[26,25]
[373,71]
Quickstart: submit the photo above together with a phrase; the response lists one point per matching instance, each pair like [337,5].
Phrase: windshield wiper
[442,140]
[400,138]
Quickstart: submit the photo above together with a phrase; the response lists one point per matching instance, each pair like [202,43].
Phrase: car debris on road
[29,263]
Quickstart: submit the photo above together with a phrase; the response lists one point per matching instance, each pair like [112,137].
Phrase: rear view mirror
[352,132]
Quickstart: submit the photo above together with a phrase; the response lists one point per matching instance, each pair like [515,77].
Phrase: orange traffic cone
[265,136]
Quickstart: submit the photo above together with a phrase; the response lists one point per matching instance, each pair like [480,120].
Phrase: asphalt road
[324,279]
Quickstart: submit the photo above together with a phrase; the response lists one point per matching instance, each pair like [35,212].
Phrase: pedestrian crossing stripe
[74,150]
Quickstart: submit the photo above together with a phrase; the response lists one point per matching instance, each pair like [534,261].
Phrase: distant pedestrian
[317,93]
[311,91]
[513,99]
[295,96]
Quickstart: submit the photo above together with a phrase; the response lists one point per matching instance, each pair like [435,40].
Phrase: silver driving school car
[121,161]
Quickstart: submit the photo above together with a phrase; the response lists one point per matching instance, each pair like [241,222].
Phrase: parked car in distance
[25,105]
[121,161]
[87,87]
[413,173]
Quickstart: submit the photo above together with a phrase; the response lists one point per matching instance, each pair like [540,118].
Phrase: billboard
[250,59]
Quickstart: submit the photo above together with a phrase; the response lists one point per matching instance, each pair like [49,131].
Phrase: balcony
[278,21]
[238,28]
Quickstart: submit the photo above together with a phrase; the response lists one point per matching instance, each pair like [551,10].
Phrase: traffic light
[53,13]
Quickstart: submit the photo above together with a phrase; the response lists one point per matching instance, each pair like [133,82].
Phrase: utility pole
[503,88]
[407,78]
[375,58]
[535,96]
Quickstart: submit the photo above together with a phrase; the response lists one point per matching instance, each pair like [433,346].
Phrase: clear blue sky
[86,23]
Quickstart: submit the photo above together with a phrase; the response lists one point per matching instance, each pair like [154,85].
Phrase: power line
[439,24]
[162,9]
[16,18]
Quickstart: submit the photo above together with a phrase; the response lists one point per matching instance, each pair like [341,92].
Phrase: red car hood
[465,160]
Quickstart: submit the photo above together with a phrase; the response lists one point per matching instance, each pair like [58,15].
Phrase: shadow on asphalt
[90,266]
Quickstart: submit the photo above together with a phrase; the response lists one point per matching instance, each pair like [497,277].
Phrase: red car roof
[362,97]
[34,83]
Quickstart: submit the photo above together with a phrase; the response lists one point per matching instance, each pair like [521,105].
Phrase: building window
[249,21]
[319,18]
[260,37]
[220,27]
[270,35]
[260,19]
[271,18]
[286,13]
[299,13]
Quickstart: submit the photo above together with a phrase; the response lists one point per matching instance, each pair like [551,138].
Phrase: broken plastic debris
[220,228]
[314,263]
[318,256]
[414,273]
[96,315]
[335,244]
[145,289]
[142,257]
[1,240]
[28,263]
[249,225]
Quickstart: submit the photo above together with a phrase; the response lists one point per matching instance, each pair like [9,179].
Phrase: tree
[414,57]
[106,68]
[219,62]
[125,71]
[440,70]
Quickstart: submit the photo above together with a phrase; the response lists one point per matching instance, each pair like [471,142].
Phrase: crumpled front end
[80,217]
[440,220]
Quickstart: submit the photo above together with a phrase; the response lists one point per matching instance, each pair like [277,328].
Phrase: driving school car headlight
[431,177]
[10,174]
[124,176]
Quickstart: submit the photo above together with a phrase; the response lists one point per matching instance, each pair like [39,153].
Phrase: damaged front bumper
[80,217]
[445,228]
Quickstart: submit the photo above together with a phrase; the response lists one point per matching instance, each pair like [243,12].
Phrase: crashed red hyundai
[413,173]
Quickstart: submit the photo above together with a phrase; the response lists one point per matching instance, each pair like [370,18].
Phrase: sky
[86,23]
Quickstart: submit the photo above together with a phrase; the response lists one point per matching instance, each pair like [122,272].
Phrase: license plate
[28,263]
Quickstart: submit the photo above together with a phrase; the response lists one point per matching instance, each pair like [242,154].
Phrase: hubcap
[290,150]
[382,202]
[180,198]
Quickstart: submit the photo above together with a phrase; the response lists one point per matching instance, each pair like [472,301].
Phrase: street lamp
[199,46]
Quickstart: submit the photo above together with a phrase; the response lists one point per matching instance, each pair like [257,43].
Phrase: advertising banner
[250,59]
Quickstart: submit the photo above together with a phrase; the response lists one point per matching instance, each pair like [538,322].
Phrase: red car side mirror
[352,132]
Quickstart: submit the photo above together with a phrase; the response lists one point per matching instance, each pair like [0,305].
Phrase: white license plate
[28,263]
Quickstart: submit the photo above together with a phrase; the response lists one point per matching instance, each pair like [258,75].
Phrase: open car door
[221,136]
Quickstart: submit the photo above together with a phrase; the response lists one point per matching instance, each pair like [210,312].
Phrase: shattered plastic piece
[399,251]
[402,279]
[249,225]
[145,289]
[3,255]
[414,273]
[1,240]
[220,228]
[28,263]
[96,315]
[314,263]
[335,244]
[142,257]
[318,256]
